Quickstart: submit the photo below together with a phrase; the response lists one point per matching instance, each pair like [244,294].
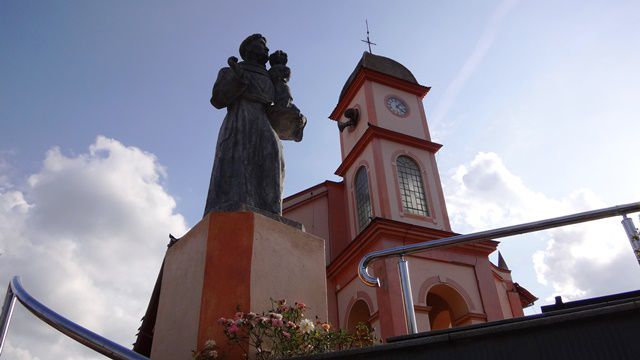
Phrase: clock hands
[396,106]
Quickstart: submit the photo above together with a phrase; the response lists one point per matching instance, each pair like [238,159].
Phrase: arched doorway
[447,307]
[359,314]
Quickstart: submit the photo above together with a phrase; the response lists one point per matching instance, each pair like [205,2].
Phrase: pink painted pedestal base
[229,260]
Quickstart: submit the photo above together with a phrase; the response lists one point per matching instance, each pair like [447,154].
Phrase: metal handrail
[78,333]
[400,251]
[490,234]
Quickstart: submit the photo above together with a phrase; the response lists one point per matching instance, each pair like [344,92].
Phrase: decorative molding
[365,74]
[460,289]
[312,197]
[422,309]
[381,180]
[377,228]
[376,132]
[466,318]
[429,283]
[310,189]
[425,286]
[374,317]
[372,114]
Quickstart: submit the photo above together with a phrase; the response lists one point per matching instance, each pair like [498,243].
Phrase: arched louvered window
[411,188]
[363,200]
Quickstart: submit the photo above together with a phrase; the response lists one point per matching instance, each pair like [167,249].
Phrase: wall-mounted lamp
[353,114]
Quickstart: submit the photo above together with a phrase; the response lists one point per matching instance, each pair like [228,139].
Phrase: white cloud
[486,194]
[579,261]
[590,260]
[87,236]
[10,352]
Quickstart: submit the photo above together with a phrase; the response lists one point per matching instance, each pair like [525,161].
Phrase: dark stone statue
[248,169]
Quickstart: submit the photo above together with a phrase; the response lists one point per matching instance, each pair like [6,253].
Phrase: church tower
[391,195]
[388,149]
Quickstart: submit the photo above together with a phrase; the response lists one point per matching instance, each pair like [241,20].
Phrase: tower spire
[368,41]
[501,263]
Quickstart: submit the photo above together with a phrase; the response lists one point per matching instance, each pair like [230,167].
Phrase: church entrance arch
[447,307]
[359,313]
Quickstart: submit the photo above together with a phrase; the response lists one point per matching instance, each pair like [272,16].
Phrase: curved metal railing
[78,333]
[400,251]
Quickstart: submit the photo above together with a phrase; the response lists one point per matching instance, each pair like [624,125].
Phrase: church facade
[391,195]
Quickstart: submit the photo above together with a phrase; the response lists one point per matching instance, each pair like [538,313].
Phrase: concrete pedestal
[232,259]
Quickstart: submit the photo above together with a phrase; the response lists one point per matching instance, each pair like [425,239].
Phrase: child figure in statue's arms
[280,75]
[284,115]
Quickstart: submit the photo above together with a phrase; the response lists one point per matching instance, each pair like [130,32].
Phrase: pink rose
[233,329]
[286,334]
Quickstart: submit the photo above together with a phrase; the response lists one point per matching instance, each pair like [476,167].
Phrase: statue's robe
[249,167]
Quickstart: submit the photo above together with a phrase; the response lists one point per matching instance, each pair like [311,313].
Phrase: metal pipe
[407,296]
[632,234]
[363,271]
[86,337]
[5,316]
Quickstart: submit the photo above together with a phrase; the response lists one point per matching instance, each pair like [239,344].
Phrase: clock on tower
[397,106]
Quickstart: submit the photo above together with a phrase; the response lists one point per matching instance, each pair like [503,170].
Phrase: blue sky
[536,104]
[141,73]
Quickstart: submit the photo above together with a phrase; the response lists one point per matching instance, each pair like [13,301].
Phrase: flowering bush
[283,331]
[209,351]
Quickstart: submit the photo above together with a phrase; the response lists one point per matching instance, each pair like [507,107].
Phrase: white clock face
[397,106]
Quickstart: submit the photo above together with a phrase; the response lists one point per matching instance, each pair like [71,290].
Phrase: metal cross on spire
[368,41]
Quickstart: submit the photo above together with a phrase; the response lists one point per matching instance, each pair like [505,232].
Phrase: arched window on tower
[411,186]
[363,199]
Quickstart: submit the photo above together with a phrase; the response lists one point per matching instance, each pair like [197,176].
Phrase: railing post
[5,316]
[407,297]
[632,234]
